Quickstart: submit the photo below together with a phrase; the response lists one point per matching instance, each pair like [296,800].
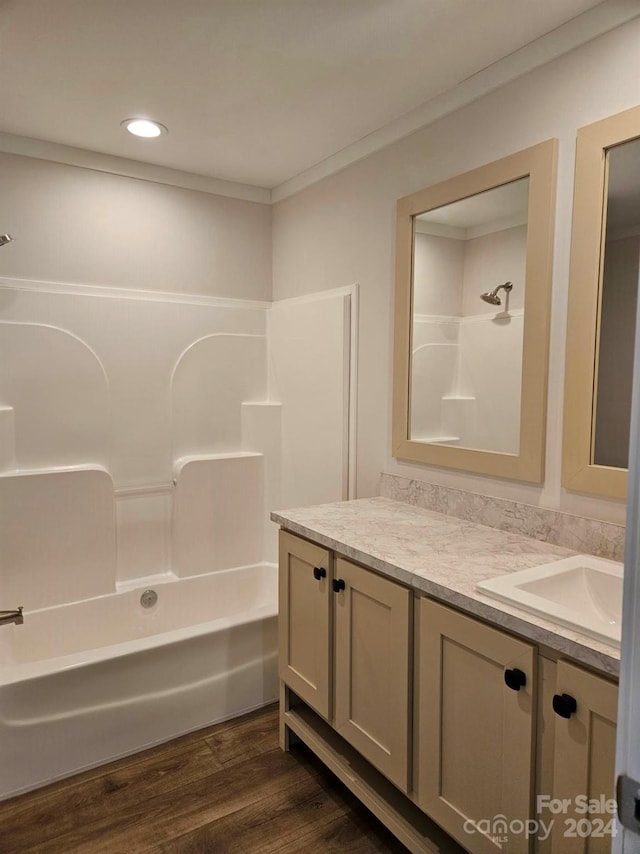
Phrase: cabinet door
[584,760]
[304,625]
[475,735]
[372,660]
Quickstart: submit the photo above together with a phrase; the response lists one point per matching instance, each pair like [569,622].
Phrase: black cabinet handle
[515,679]
[319,572]
[338,585]
[564,705]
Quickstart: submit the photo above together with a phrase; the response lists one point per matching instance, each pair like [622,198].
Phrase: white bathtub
[85,683]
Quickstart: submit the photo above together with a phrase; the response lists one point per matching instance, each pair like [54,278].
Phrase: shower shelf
[62,469]
[438,439]
[180,462]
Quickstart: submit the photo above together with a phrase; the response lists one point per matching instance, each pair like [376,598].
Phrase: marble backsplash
[587,536]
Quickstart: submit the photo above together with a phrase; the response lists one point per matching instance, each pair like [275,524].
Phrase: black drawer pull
[515,679]
[319,572]
[338,585]
[564,705]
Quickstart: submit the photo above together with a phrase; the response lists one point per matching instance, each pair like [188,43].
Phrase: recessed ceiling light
[144,127]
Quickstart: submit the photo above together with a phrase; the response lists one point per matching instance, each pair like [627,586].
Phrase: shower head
[492,297]
[5,238]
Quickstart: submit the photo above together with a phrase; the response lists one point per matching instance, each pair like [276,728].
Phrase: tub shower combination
[137,466]
[142,444]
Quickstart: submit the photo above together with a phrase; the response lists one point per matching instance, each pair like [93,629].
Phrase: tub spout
[12,617]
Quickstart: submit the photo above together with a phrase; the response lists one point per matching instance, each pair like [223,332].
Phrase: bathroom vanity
[436,705]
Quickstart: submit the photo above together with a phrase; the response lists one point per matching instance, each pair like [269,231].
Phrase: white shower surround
[466,364]
[143,444]
[471,367]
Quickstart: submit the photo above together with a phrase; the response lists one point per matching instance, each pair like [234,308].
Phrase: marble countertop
[445,557]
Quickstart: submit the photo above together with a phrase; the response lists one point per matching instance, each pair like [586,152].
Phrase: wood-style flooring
[228,788]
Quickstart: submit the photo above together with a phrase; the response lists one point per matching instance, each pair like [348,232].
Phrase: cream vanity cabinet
[585,708]
[304,630]
[345,649]
[482,717]
[475,724]
[471,723]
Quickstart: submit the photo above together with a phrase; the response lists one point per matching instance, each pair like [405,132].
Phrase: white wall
[438,274]
[492,260]
[342,230]
[92,228]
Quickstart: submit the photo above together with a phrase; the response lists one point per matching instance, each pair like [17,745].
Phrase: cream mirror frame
[580,472]
[538,164]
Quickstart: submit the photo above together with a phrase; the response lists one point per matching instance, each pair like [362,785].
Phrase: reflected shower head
[5,238]
[492,297]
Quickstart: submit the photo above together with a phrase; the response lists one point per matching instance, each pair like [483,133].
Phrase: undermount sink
[582,592]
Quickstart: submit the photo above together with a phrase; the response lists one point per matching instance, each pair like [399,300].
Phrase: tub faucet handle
[14,616]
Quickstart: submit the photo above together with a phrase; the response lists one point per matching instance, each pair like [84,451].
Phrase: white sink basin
[582,592]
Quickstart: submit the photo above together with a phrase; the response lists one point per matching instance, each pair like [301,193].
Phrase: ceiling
[506,202]
[253,91]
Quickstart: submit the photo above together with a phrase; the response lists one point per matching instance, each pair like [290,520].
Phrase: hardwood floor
[225,789]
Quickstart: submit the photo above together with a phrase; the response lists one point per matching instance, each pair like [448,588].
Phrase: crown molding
[98,162]
[576,32]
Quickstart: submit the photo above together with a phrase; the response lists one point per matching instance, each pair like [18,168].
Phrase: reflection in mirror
[619,291]
[469,261]
[470,341]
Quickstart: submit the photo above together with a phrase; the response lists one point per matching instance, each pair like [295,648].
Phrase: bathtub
[85,683]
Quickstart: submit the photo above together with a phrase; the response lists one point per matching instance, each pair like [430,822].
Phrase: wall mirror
[473,274]
[603,289]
